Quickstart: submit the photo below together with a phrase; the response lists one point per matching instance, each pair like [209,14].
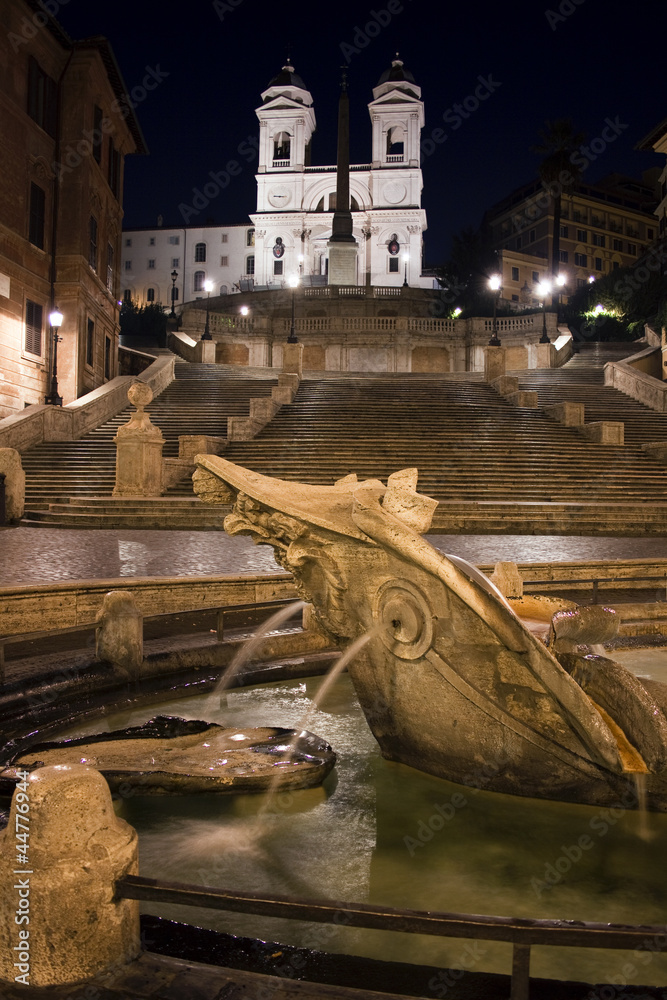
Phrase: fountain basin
[168,755]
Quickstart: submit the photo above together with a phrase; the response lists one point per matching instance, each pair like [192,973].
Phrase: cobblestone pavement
[44,555]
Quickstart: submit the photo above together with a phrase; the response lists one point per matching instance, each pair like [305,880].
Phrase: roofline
[114,74]
[647,143]
[103,46]
[210,225]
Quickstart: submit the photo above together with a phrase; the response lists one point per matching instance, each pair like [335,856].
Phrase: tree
[559,175]
[148,322]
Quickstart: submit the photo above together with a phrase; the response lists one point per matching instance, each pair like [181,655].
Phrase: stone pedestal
[76,849]
[10,465]
[569,413]
[494,363]
[342,263]
[205,352]
[292,358]
[120,632]
[605,431]
[139,450]
[546,354]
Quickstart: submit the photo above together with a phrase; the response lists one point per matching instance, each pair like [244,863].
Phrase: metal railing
[572,583]
[522,933]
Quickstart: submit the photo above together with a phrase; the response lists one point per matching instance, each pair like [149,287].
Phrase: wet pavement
[45,555]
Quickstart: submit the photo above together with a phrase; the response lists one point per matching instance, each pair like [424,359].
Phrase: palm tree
[559,175]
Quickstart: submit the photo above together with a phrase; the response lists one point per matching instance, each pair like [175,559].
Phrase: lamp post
[543,290]
[55,322]
[208,288]
[494,284]
[174,276]
[406,258]
[292,281]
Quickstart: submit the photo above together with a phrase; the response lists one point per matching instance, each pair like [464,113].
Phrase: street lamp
[406,258]
[292,281]
[55,322]
[543,290]
[174,276]
[495,282]
[208,288]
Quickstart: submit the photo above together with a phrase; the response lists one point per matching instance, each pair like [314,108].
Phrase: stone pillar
[139,450]
[205,352]
[546,354]
[76,849]
[507,579]
[292,358]
[494,363]
[10,464]
[119,638]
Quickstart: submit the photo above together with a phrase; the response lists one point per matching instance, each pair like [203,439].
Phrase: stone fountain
[451,679]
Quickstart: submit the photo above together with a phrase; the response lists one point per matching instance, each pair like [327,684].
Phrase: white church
[292,224]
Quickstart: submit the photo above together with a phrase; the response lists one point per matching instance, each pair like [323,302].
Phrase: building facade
[159,262]
[67,127]
[296,200]
[656,141]
[602,227]
[289,231]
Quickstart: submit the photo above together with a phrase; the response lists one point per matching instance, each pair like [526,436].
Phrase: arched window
[395,143]
[250,264]
[250,238]
[150,295]
[223,289]
[281,146]
[200,253]
[200,277]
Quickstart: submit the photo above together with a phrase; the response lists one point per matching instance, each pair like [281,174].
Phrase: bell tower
[286,123]
[397,117]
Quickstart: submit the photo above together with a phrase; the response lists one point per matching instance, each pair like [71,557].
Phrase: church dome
[288,78]
[396,72]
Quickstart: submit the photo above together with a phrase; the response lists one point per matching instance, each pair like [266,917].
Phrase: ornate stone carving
[450,676]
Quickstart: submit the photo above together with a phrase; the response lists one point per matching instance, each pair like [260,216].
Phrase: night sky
[587,60]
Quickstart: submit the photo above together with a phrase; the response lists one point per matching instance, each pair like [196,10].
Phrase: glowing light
[543,288]
[591,279]
[560,280]
[293,280]
[495,282]
[55,318]
[458,311]
[244,310]
[208,285]
[599,308]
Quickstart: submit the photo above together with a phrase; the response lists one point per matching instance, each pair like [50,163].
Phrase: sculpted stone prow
[451,679]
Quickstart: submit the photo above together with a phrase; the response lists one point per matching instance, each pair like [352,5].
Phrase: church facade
[291,227]
[296,201]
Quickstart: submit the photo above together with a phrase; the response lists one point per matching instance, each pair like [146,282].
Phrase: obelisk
[342,245]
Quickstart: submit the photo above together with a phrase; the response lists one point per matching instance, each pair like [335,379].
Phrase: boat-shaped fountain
[451,678]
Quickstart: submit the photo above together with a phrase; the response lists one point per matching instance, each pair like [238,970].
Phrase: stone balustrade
[41,422]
